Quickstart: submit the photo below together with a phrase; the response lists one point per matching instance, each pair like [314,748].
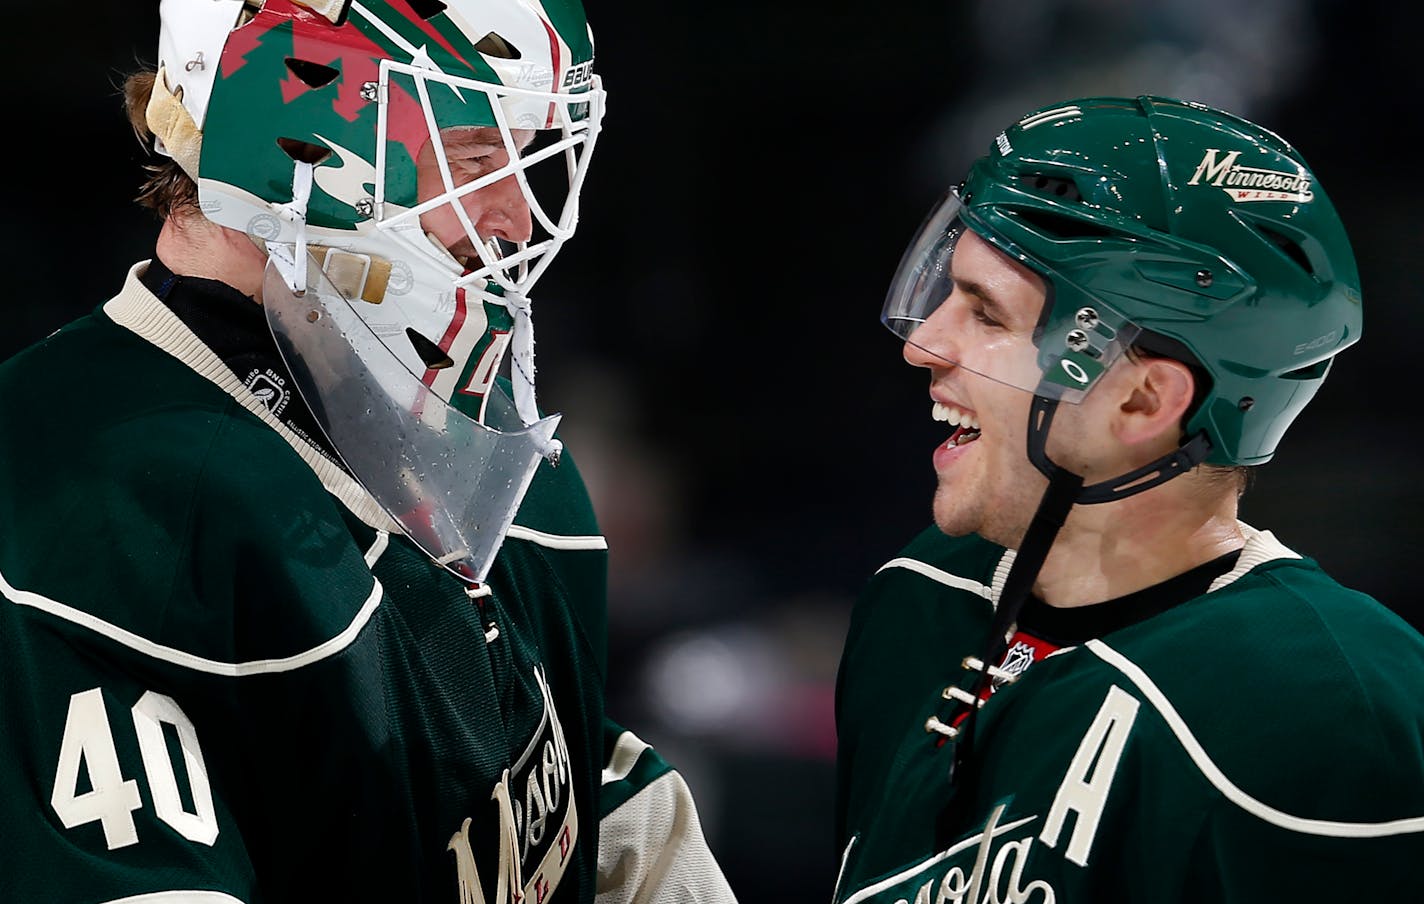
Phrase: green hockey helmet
[1163,225]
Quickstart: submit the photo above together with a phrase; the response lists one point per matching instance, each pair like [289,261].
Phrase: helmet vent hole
[427,9]
[1289,247]
[1314,371]
[429,352]
[303,151]
[1060,227]
[1053,185]
[313,75]
[493,45]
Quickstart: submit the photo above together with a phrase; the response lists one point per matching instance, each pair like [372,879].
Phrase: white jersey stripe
[188,660]
[557,541]
[139,311]
[1213,774]
[179,897]
[840,873]
[378,548]
[936,574]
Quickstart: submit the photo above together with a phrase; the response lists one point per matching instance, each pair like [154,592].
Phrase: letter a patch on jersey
[1085,787]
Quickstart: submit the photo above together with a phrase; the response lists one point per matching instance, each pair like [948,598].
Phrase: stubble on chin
[1003,522]
[951,514]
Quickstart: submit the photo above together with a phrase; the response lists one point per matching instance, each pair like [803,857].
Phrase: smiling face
[497,211]
[978,347]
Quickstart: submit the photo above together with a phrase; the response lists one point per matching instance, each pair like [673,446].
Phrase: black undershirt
[233,326]
[1073,625]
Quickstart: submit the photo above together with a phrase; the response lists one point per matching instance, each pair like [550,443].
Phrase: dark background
[753,441]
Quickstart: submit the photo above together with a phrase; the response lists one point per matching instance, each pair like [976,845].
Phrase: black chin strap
[1187,456]
[1065,489]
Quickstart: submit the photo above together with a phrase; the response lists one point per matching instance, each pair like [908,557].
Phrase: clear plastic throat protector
[452,483]
[972,305]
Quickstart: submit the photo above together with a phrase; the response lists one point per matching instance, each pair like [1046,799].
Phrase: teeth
[955,416]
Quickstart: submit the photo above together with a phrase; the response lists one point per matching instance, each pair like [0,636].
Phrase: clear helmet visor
[452,483]
[962,300]
[492,171]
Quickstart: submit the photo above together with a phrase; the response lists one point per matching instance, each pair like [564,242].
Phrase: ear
[1158,397]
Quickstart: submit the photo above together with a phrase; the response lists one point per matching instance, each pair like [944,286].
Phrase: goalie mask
[411,167]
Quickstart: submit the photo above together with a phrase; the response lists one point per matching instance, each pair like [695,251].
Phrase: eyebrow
[478,136]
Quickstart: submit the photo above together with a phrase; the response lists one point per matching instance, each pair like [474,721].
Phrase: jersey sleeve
[651,848]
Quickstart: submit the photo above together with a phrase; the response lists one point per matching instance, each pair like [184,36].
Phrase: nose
[915,356]
[932,343]
[500,211]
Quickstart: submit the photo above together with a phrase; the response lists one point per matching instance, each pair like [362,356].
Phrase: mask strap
[522,371]
[1177,462]
[295,213]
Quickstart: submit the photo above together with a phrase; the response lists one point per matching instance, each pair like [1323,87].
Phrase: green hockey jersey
[1263,741]
[225,675]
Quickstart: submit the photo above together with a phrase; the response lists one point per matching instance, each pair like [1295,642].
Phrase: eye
[472,156]
[479,159]
[467,167]
[983,317]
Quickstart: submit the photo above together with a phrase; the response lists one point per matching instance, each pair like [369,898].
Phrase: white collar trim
[138,310]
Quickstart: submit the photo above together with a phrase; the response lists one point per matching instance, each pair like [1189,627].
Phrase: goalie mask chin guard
[452,483]
[429,158]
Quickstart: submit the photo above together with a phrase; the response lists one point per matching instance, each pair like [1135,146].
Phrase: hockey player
[1090,682]
[300,600]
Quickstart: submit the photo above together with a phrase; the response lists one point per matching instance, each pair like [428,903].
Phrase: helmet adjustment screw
[1246,403]
[1077,340]
[370,91]
[1087,318]
[1204,278]
[366,207]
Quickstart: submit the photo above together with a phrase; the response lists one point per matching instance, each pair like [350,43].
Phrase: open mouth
[966,426]
[468,257]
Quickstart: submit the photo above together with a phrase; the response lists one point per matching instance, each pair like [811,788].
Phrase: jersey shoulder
[193,518]
[921,613]
[1337,672]
[935,586]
